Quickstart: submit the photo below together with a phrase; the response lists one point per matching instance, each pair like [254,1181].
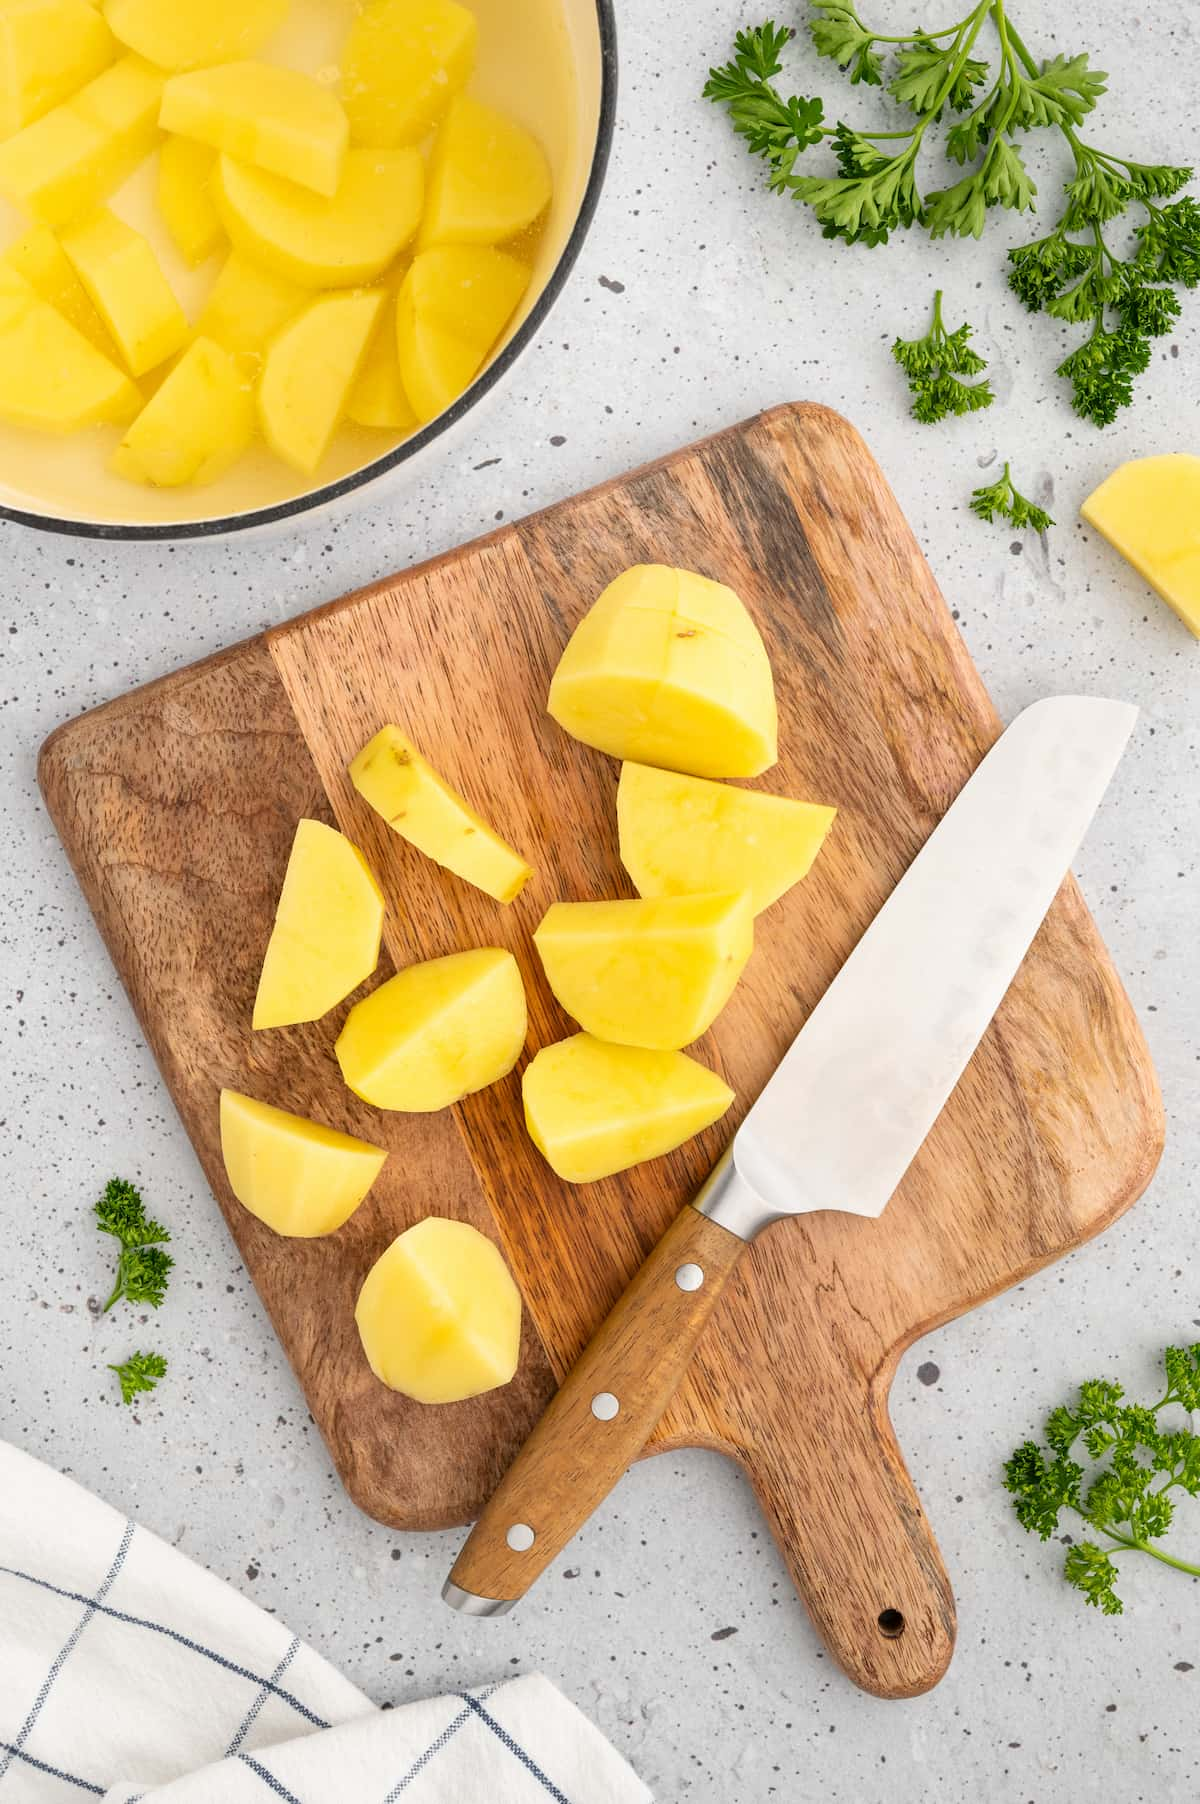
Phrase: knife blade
[837,1125]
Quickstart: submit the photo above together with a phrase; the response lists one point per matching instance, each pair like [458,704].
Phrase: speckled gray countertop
[698,300]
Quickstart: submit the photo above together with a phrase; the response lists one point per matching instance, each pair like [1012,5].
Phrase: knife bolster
[727,1199]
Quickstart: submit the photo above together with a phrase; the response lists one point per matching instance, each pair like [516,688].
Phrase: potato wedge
[194,427]
[71,159]
[682,836]
[309,375]
[436,1032]
[48,50]
[402,64]
[185,198]
[126,285]
[183,34]
[279,119]
[439,1314]
[321,242]
[455,302]
[488,178]
[51,378]
[421,807]
[651,973]
[593,1109]
[247,306]
[301,1179]
[1149,511]
[328,925]
[41,259]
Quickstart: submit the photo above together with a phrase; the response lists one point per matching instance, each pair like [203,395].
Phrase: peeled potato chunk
[328,924]
[126,285]
[455,302]
[194,427]
[247,306]
[185,198]
[276,118]
[298,1177]
[309,374]
[182,34]
[71,159]
[650,973]
[668,668]
[318,241]
[488,179]
[1149,511]
[436,1032]
[41,259]
[51,377]
[402,63]
[440,1315]
[48,49]
[422,808]
[593,1109]
[378,398]
[681,836]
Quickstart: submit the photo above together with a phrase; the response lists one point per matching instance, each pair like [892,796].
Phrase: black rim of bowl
[314,499]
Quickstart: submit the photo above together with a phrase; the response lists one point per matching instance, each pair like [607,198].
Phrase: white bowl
[558,65]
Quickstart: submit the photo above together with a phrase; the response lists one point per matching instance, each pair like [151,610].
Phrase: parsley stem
[1129,1545]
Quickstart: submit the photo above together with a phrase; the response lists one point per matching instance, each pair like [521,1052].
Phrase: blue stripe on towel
[67,1650]
[515,1748]
[54,1772]
[280,1790]
[158,1628]
[435,1747]
[264,1693]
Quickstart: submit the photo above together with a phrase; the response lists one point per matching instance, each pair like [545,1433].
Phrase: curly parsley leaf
[936,365]
[140,1372]
[1137,1463]
[143,1269]
[1001,500]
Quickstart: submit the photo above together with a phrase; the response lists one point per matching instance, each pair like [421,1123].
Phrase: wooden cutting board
[177,805]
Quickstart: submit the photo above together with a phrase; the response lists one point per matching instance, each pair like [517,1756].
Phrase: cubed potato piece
[488,179]
[195,426]
[682,836]
[126,285]
[48,49]
[51,377]
[436,1032]
[276,118]
[593,1109]
[379,399]
[248,306]
[328,924]
[650,973]
[67,162]
[321,242]
[184,34]
[454,304]
[186,200]
[1149,511]
[41,259]
[422,808]
[309,373]
[298,1177]
[402,64]
[440,1315]
[668,668]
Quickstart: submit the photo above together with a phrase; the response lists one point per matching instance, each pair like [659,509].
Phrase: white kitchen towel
[128,1673]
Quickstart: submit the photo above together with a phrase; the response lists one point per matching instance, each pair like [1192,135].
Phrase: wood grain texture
[636,1359]
[177,806]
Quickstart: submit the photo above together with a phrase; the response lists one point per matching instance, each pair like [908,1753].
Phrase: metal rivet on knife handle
[689,1277]
[605,1406]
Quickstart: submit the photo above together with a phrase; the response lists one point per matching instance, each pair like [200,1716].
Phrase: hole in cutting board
[891,1624]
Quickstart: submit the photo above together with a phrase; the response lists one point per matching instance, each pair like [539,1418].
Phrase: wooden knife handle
[600,1420]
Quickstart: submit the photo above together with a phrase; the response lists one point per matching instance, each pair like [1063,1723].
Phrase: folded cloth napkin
[129,1673]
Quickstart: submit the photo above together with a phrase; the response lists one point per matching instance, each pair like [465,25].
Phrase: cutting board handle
[850,1525]
[595,1427]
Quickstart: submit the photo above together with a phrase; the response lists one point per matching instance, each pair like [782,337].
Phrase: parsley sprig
[1080,272]
[935,366]
[1002,500]
[140,1372]
[1127,1496]
[143,1269]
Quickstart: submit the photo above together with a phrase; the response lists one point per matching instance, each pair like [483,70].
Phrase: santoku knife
[835,1128]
